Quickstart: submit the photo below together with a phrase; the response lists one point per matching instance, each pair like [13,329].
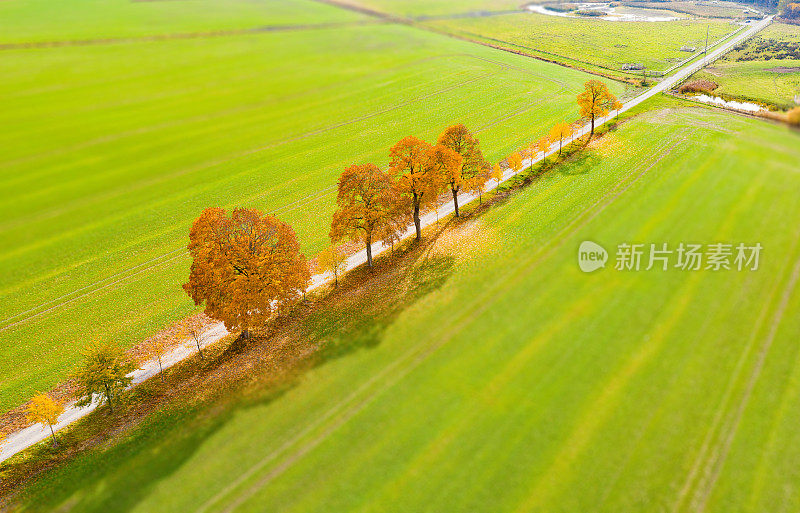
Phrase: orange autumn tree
[416,180]
[544,146]
[246,267]
[446,165]
[370,208]
[473,165]
[595,101]
[559,132]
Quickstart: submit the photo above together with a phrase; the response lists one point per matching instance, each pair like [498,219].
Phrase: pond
[606,12]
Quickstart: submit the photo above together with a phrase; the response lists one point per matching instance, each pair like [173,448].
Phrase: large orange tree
[416,180]
[473,166]
[246,267]
[370,208]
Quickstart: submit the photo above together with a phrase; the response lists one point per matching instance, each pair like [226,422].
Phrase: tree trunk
[53,434]
[417,226]
[455,199]
[108,398]
[199,351]
[560,143]
[592,132]
[369,251]
[336,277]
[161,369]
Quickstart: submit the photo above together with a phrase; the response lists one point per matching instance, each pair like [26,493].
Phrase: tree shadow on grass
[119,477]
[360,320]
[580,164]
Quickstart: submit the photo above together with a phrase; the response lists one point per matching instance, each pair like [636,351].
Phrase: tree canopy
[246,267]
[370,208]
[473,166]
[416,180]
[44,410]
[595,101]
[104,373]
[559,132]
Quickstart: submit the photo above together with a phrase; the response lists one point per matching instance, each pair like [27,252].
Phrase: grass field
[117,148]
[605,44]
[29,21]
[765,69]
[535,387]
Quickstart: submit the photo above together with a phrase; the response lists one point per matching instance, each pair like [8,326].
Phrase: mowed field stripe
[452,327]
[728,413]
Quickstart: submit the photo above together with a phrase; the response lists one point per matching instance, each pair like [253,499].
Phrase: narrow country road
[24,438]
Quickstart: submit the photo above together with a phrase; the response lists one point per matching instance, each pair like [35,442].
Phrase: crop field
[712,9]
[765,69]
[604,44]
[31,21]
[535,387]
[116,148]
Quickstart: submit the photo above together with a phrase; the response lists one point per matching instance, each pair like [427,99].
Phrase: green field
[519,383]
[765,69]
[605,44]
[30,21]
[116,148]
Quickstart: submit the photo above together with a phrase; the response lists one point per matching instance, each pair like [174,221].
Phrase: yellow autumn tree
[515,162]
[559,132]
[617,107]
[246,268]
[332,259]
[44,410]
[497,174]
[595,101]
[476,184]
[544,146]
[104,374]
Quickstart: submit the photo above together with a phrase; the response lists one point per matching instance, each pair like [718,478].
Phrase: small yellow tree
[332,260]
[617,107]
[559,132]
[45,411]
[544,146]
[515,162]
[497,174]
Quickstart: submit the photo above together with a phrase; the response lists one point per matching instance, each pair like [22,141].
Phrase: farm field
[117,148]
[604,44]
[535,387]
[765,69]
[30,21]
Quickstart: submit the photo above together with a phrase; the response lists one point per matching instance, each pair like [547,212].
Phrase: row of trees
[247,267]
[376,205]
